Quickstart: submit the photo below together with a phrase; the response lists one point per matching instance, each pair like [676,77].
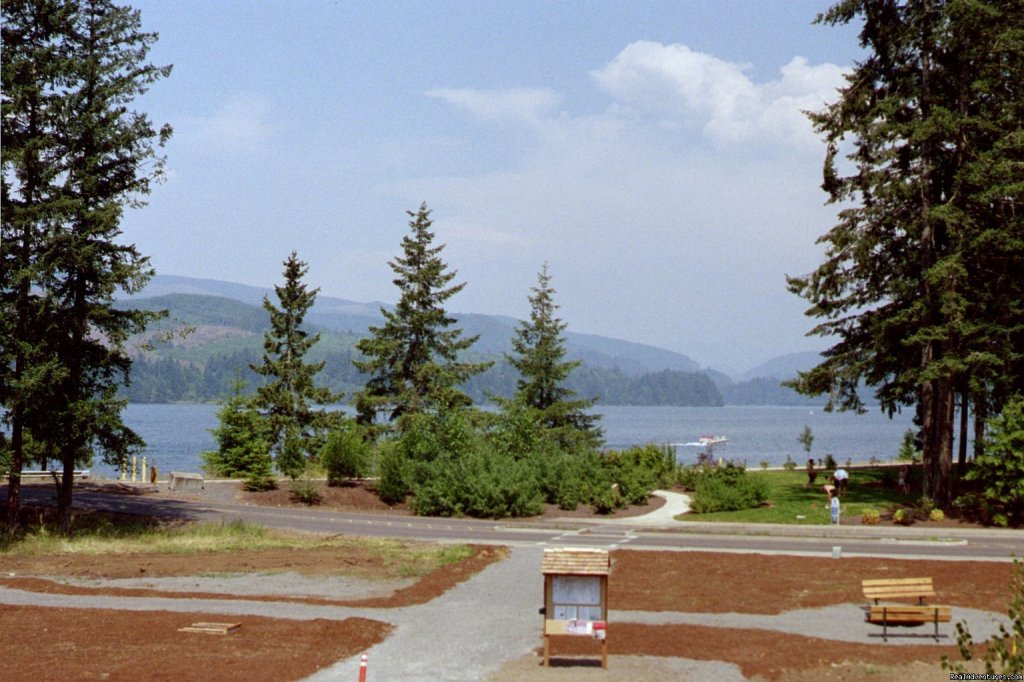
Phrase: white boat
[705,441]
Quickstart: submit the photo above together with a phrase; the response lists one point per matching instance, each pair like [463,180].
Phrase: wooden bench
[904,614]
[898,588]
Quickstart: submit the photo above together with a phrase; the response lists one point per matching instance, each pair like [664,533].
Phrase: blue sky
[652,152]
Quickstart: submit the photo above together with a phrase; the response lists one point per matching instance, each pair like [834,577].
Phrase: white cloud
[528,105]
[482,236]
[681,85]
[644,224]
[241,122]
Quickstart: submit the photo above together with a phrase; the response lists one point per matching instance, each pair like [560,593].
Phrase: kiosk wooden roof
[575,561]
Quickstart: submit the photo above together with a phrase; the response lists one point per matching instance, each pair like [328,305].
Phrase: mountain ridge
[225,322]
[496,331]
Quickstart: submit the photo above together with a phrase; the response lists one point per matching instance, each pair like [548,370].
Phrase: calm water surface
[177,434]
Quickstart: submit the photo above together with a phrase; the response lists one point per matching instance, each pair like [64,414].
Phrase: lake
[177,434]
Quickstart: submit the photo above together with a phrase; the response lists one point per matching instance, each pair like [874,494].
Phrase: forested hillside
[206,341]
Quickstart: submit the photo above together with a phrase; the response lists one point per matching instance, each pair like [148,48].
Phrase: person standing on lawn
[841,478]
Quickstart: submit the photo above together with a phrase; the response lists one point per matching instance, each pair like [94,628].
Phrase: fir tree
[413,359]
[294,426]
[539,357]
[243,448]
[79,156]
[916,284]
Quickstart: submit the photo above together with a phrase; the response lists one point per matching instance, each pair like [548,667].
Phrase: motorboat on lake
[705,441]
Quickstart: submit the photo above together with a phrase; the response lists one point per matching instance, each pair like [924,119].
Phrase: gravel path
[466,633]
[841,623]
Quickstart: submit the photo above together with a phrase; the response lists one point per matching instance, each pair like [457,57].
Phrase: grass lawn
[793,501]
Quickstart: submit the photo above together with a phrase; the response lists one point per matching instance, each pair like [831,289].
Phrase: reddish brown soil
[95,644]
[131,645]
[361,496]
[704,582]
[321,561]
[758,653]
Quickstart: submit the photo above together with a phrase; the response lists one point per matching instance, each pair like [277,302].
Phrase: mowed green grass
[793,501]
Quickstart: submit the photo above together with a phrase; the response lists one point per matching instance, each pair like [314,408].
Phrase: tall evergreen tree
[30,60]
[413,359]
[287,400]
[80,157]
[539,357]
[905,285]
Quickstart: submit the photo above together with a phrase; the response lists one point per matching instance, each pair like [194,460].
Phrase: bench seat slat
[910,614]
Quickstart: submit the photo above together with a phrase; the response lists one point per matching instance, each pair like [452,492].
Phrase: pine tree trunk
[937,398]
[64,492]
[14,479]
[980,417]
[961,462]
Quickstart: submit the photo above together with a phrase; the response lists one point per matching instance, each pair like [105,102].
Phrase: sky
[654,154]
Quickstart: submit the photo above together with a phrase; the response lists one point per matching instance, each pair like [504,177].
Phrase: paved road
[853,540]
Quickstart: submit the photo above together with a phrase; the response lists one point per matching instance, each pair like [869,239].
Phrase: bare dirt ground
[48,643]
[362,497]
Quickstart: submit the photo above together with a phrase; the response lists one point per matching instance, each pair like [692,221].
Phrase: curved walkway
[662,517]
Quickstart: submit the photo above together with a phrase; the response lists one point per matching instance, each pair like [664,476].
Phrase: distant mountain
[225,322]
[784,366]
[354,318]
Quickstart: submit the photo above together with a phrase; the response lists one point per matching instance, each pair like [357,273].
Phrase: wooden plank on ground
[211,628]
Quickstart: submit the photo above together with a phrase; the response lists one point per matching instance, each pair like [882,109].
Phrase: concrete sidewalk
[662,517]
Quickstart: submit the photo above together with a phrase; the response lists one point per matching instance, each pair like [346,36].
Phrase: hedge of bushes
[725,487]
[452,467]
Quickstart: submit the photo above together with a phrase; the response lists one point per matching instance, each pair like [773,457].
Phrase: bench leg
[885,625]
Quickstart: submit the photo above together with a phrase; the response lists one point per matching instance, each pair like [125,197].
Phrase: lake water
[177,434]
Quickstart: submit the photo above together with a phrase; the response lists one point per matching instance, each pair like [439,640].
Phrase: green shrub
[1000,470]
[638,471]
[936,515]
[291,459]
[392,486]
[903,517]
[764,464]
[260,480]
[243,444]
[572,486]
[870,517]
[345,455]
[479,483]
[306,491]
[728,488]
[789,464]
[973,506]
[830,462]
[5,456]
[605,499]
[687,477]
[908,447]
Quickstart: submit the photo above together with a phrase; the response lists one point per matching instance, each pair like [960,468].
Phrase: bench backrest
[898,588]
